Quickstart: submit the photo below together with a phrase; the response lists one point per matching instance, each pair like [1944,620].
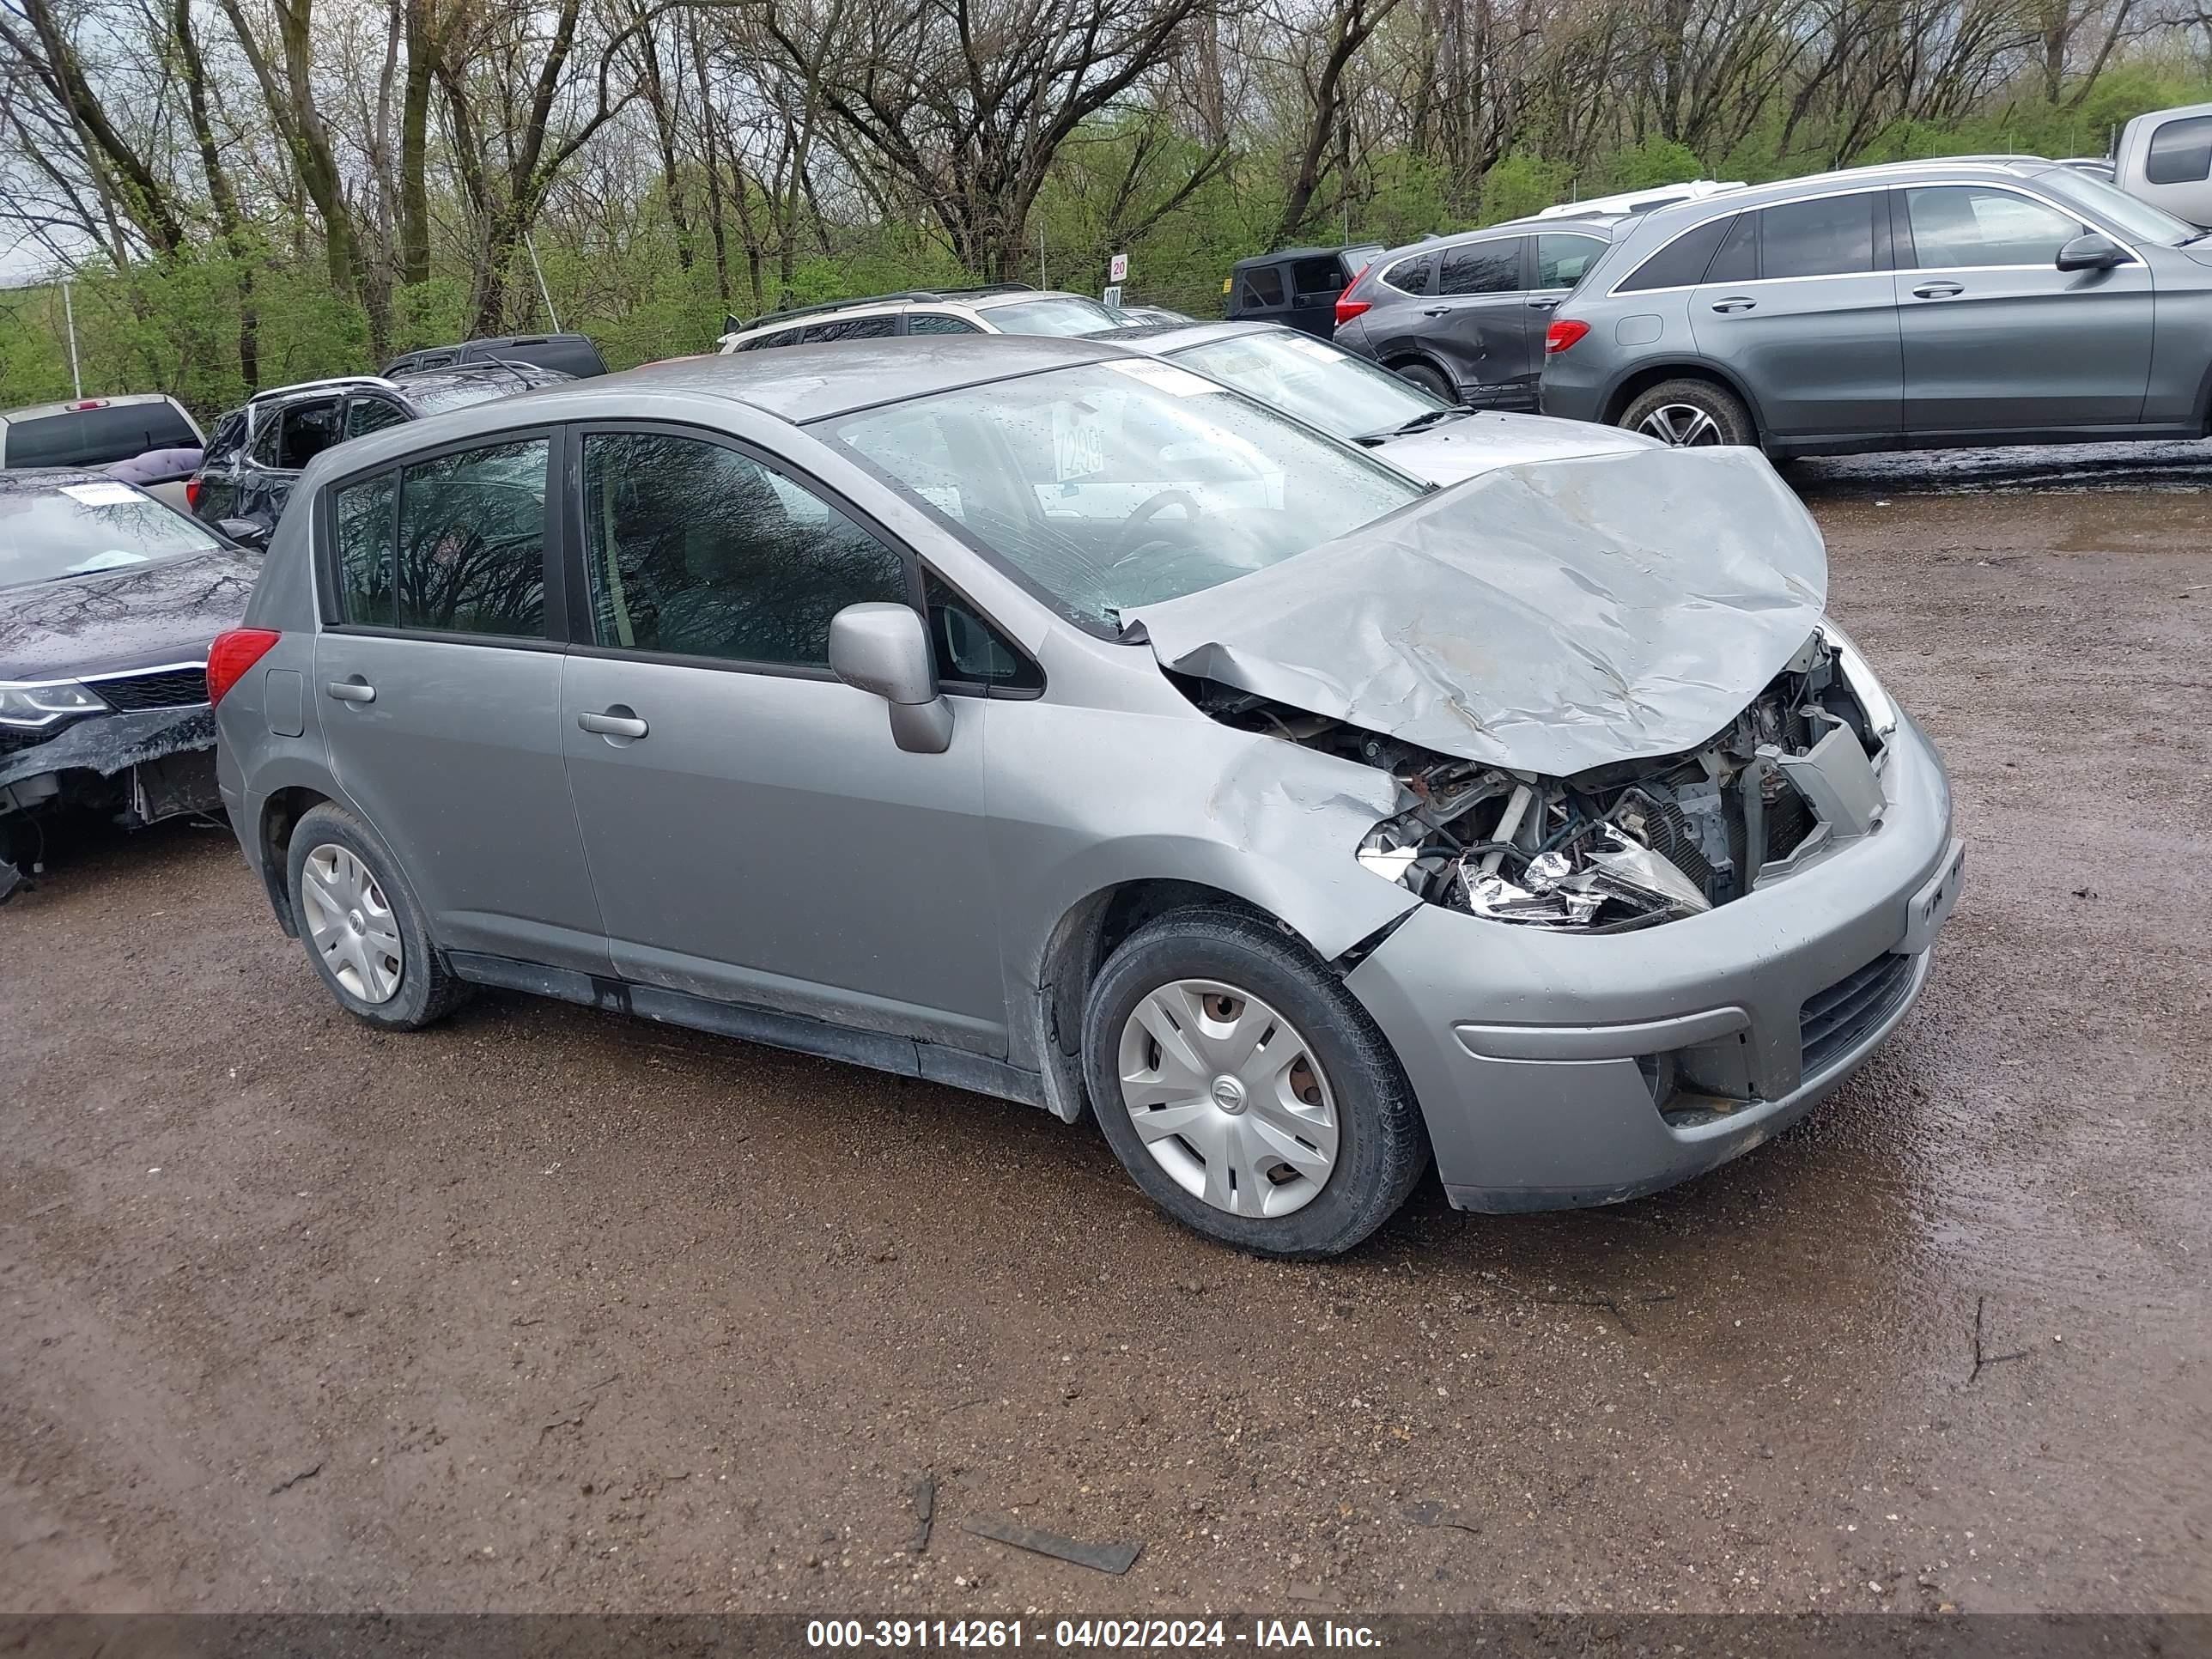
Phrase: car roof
[78,405]
[1940,169]
[1300,253]
[458,375]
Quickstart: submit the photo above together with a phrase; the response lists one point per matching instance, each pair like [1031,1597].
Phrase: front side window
[1562,260]
[2180,152]
[939,322]
[472,553]
[697,550]
[1415,276]
[1482,268]
[1959,225]
[1114,485]
[1827,236]
[1322,384]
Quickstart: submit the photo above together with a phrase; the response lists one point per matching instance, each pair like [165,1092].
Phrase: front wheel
[1690,415]
[1246,1090]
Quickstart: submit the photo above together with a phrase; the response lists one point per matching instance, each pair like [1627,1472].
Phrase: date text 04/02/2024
[1139,1634]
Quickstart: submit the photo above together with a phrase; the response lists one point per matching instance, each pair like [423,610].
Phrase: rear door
[1558,258]
[1997,338]
[1479,322]
[438,671]
[755,834]
[1801,303]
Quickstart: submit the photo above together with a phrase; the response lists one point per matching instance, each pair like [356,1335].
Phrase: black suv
[258,451]
[573,355]
[1294,285]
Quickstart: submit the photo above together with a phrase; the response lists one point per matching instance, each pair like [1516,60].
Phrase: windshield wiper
[1425,419]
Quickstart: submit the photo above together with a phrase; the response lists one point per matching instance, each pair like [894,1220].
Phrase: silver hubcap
[1228,1098]
[351,924]
[1682,425]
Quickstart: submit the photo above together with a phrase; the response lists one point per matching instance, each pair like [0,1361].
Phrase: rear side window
[94,437]
[2180,152]
[1413,275]
[1828,236]
[1263,286]
[469,556]
[939,322]
[1562,260]
[697,550]
[1682,262]
[765,342]
[850,328]
[1482,268]
[292,436]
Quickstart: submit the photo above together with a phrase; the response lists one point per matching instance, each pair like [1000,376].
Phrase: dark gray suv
[1994,301]
[1463,316]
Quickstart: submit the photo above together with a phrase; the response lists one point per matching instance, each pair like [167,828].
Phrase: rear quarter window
[1682,262]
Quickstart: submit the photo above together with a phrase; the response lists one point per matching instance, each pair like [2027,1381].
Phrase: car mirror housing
[882,649]
[244,531]
[2093,252]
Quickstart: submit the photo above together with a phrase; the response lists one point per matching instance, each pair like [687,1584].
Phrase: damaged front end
[1635,843]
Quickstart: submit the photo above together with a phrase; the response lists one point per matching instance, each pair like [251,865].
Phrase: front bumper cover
[1532,1052]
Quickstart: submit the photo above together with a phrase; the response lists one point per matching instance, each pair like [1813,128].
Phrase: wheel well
[1644,379]
[279,814]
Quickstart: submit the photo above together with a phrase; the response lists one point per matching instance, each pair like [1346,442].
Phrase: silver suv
[1043,719]
[1989,300]
[1002,309]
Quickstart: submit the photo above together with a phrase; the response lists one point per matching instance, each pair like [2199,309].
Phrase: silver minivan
[1042,718]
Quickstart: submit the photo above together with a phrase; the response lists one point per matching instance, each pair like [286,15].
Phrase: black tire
[426,991]
[1429,379]
[1730,422]
[1383,1147]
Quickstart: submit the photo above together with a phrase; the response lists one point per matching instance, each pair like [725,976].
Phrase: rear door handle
[1438,311]
[1937,290]
[1733,302]
[355,690]
[616,722]
[1543,305]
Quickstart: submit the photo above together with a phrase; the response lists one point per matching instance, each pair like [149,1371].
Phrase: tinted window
[94,437]
[1830,236]
[1562,260]
[1482,268]
[472,542]
[1263,286]
[2180,152]
[1412,275]
[1957,225]
[1682,262]
[968,649]
[698,551]
[762,342]
[850,328]
[364,548]
[1317,276]
[372,415]
[1736,259]
[939,322]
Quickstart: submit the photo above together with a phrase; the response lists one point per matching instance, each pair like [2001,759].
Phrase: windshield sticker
[1166,377]
[101,494]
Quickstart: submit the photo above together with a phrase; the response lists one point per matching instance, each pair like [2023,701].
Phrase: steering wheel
[1133,526]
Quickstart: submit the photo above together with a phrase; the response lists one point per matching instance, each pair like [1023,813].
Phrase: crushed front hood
[1547,617]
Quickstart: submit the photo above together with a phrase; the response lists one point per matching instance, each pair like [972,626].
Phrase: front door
[1799,301]
[440,688]
[287,438]
[1996,336]
[1481,324]
[755,834]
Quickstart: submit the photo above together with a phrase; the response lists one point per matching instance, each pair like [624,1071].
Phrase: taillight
[1563,334]
[192,494]
[233,653]
[1346,306]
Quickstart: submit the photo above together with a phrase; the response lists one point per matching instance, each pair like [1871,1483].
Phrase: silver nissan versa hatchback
[1043,719]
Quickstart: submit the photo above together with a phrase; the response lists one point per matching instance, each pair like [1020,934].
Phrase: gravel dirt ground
[547,1310]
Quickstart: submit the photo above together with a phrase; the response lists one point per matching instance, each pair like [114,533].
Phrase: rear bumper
[1556,1071]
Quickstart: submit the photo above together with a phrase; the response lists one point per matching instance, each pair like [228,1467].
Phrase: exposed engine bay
[1630,845]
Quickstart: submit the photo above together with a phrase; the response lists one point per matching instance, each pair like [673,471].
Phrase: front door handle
[1937,290]
[617,722]
[355,690]
[1733,302]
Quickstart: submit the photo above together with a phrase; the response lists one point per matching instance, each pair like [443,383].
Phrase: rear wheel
[1429,379]
[1246,1090]
[363,928]
[1690,415]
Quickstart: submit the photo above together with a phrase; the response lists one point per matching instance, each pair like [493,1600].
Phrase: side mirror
[2093,252]
[246,532]
[883,649]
